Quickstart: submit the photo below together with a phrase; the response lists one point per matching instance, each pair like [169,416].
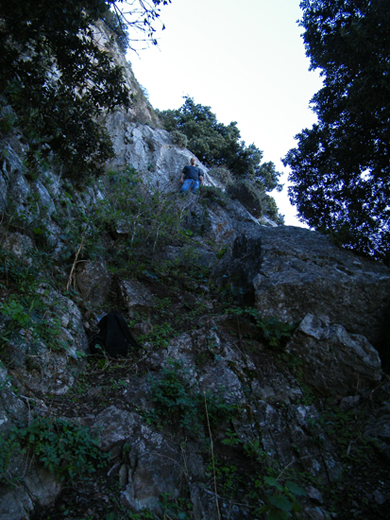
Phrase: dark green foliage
[177,403]
[216,144]
[273,330]
[58,81]
[179,139]
[254,198]
[223,175]
[340,168]
[64,448]
[282,503]
[23,322]
[213,194]
[249,196]
[24,316]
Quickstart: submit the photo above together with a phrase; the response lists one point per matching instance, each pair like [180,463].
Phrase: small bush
[273,330]
[249,195]
[64,448]
[176,402]
[146,218]
[214,195]
[222,175]
[179,139]
[282,501]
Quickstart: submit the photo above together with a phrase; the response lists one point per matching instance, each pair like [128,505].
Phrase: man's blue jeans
[190,184]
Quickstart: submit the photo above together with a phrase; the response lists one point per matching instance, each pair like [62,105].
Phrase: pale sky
[243,58]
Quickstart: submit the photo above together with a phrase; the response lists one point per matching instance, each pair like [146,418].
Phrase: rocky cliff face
[259,384]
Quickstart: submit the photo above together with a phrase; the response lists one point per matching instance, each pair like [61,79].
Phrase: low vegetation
[132,228]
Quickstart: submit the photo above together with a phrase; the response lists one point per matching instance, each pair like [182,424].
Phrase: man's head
[192,161]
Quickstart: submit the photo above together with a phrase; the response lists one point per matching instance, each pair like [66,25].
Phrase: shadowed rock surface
[261,381]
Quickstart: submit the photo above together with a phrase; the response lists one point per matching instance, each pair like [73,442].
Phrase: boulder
[334,361]
[295,271]
[214,363]
[152,466]
[15,504]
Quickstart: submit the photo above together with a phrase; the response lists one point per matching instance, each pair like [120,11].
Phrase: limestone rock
[140,109]
[53,370]
[42,486]
[137,297]
[204,504]
[333,360]
[301,271]
[93,282]
[213,363]
[153,464]
[10,173]
[114,426]
[19,245]
[150,151]
[15,504]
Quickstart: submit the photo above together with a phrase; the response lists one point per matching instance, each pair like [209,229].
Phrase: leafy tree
[340,168]
[216,144]
[58,81]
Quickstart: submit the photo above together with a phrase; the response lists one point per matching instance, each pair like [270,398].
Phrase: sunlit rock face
[150,151]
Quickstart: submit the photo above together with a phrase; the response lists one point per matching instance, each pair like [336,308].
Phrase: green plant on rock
[66,449]
[179,139]
[8,447]
[81,230]
[263,486]
[273,330]
[24,317]
[139,217]
[176,401]
[281,499]
[15,274]
[24,325]
[160,335]
[223,175]
[8,121]
[222,252]
[177,508]
[213,194]
[172,396]
[63,447]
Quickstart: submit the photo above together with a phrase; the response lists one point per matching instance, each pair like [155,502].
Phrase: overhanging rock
[302,272]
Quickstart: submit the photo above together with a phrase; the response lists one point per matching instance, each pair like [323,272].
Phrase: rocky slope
[259,388]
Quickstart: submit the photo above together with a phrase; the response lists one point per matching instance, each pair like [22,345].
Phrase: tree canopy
[340,169]
[57,80]
[216,144]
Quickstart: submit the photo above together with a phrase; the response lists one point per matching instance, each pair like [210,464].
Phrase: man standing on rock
[190,177]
